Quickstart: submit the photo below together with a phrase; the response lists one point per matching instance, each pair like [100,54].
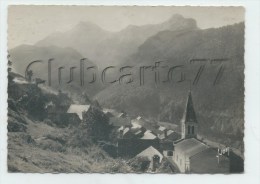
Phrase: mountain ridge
[103,46]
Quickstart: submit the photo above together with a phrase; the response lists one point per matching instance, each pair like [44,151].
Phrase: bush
[140,164]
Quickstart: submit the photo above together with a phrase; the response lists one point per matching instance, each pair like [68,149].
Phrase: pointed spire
[189,113]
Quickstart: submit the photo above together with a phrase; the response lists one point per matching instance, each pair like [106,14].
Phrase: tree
[10,77]
[9,63]
[86,98]
[97,124]
[29,75]
[39,81]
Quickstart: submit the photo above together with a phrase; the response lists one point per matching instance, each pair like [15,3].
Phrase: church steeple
[189,120]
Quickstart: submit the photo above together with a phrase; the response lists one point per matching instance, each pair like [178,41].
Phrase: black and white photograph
[126,89]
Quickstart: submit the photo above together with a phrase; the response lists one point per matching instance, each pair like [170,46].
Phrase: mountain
[22,55]
[126,42]
[84,37]
[219,106]
[111,48]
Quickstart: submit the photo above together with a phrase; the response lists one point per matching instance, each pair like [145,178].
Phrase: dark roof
[171,135]
[207,162]
[115,121]
[189,112]
[167,145]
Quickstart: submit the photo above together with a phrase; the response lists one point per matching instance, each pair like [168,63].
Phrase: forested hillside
[219,106]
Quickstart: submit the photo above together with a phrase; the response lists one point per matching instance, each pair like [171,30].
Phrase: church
[192,155]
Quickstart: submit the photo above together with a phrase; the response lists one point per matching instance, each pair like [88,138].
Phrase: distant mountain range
[87,40]
[104,47]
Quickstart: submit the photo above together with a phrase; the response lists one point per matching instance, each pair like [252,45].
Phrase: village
[138,137]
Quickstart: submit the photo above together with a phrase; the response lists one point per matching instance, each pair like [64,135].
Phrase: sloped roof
[149,153]
[207,162]
[138,132]
[139,117]
[121,128]
[49,104]
[122,114]
[189,112]
[78,109]
[148,135]
[126,130]
[168,125]
[135,125]
[161,128]
[191,147]
[169,132]
[112,111]
[119,121]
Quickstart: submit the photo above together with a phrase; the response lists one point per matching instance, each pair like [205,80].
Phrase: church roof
[189,112]
[191,147]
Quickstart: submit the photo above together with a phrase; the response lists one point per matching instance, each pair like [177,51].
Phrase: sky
[28,24]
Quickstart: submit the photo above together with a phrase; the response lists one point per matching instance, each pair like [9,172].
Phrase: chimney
[165,133]
[155,162]
[121,133]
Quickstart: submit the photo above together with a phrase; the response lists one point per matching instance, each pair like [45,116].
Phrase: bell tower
[189,124]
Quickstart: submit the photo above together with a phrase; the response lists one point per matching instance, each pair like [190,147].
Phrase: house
[169,135]
[120,129]
[137,121]
[149,135]
[167,148]
[138,133]
[127,147]
[78,109]
[139,118]
[122,115]
[135,125]
[149,153]
[59,116]
[153,155]
[193,156]
[50,108]
[190,154]
[161,129]
[146,124]
[168,125]
[185,150]
[118,122]
[127,134]
[111,112]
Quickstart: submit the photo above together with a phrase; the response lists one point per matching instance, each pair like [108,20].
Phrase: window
[188,129]
[169,153]
[192,129]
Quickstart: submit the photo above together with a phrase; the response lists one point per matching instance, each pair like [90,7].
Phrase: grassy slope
[42,150]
